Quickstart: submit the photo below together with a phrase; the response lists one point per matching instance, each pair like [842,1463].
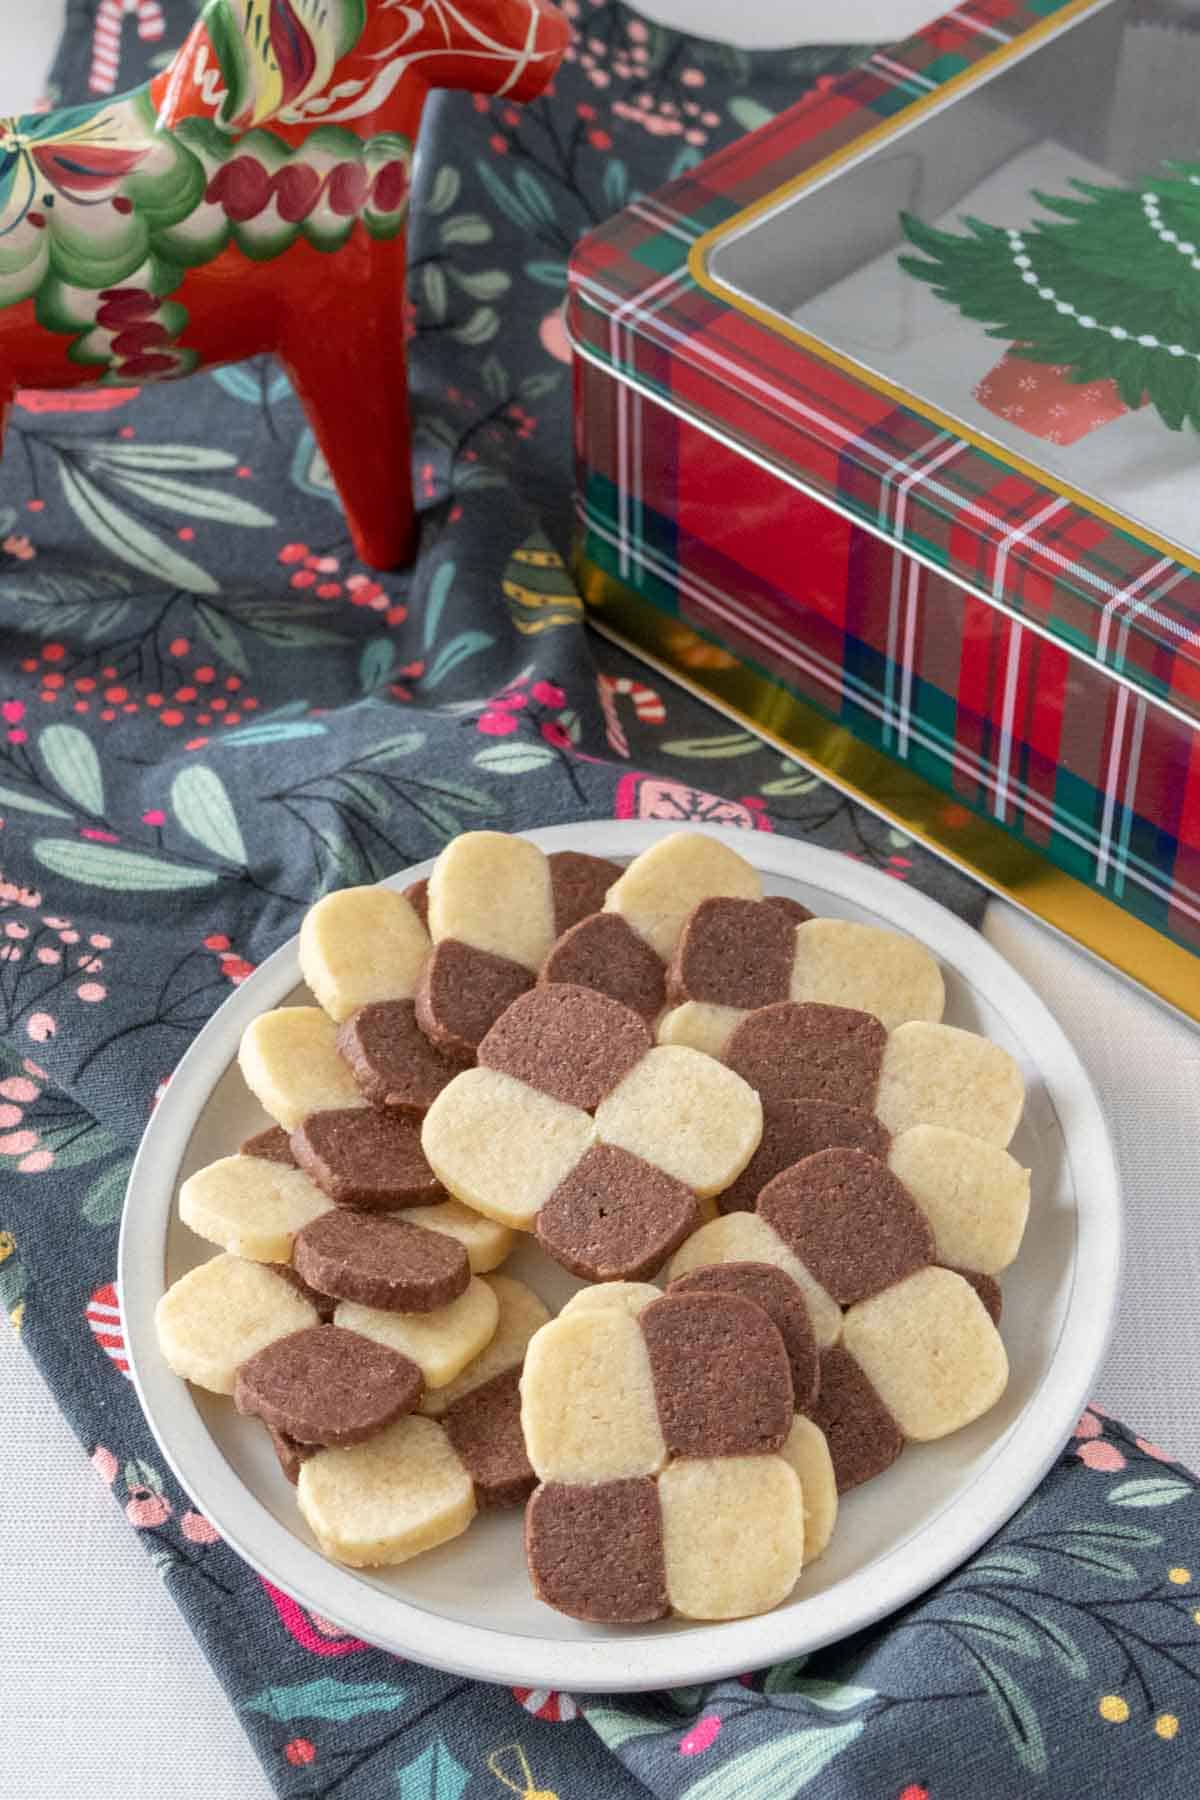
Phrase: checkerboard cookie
[655,1436]
[625,949]
[908,1350]
[479,1409]
[574,1125]
[359,1155]
[922,1073]
[735,956]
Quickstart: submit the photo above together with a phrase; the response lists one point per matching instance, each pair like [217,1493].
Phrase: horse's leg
[345,353]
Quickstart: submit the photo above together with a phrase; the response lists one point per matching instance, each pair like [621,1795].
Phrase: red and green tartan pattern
[635,307]
[1078,766]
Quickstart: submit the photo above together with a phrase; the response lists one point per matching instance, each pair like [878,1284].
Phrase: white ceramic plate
[467,1607]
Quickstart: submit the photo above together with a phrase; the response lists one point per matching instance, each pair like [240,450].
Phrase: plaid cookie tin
[977,618]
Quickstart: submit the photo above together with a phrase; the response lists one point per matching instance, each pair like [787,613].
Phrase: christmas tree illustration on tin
[1101,304]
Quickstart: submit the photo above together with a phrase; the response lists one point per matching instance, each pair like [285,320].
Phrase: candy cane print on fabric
[648,708]
[106,37]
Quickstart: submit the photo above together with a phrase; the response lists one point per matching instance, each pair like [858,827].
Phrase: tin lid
[956,295]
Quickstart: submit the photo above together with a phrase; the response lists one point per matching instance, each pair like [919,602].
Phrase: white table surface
[102,1690]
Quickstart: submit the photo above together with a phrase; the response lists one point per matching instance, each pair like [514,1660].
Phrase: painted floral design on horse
[143,228]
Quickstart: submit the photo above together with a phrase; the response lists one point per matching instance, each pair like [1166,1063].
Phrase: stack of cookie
[641,1070]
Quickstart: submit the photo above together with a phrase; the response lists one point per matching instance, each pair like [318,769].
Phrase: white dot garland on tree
[1085,321]
[1152,207]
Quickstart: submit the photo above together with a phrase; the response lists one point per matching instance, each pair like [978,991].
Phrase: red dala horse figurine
[254,197]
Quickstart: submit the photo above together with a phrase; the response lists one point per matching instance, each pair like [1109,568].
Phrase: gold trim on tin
[936,819]
[701,250]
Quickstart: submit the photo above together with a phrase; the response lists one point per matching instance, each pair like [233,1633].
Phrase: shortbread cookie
[939,1075]
[392,1060]
[794,1052]
[920,1074]
[782,1299]
[493,892]
[484,1428]
[291,1453]
[568,1042]
[272,1145]
[734,953]
[713,1538]
[501,1147]
[988,1289]
[850,1222]
[595,1552]
[632,1297]
[615,1217]
[860,1433]
[441,1343]
[324,1385]
[746,1238]
[216,1316]
[686,1114]
[974,1194]
[290,1063]
[403,1491]
[463,992]
[698,1025]
[486,1243]
[417,895]
[661,886]
[890,976]
[606,954]
[733,1534]
[808,1453]
[520,1313]
[654,1432]
[491,919]
[930,1351]
[324,1304]
[794,1129]
[744,955]
[366,1157]
[791,908]
[251,1206]
[589,1410]
[579,884]
[362,945]
[513,1138]
[381,1262]
[722,1379]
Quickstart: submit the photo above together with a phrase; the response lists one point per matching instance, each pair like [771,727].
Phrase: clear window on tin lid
[1022,258]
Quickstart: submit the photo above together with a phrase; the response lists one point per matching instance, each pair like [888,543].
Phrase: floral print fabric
[210,714]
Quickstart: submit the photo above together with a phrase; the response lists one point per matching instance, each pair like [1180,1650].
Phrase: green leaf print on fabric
[118,531]
[777,1769]
[734,743]
[514,759]
[1061,1644]
[105,1198]
[1153,1490]
[325,1698]
[1017,1715]
[615,1727]
[204,809]
[72,762]
[376,662]
[456,651]
[124,871]
[31,803]
[434,1775]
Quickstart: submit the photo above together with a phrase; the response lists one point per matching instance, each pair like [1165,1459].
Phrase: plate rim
[702,1653]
